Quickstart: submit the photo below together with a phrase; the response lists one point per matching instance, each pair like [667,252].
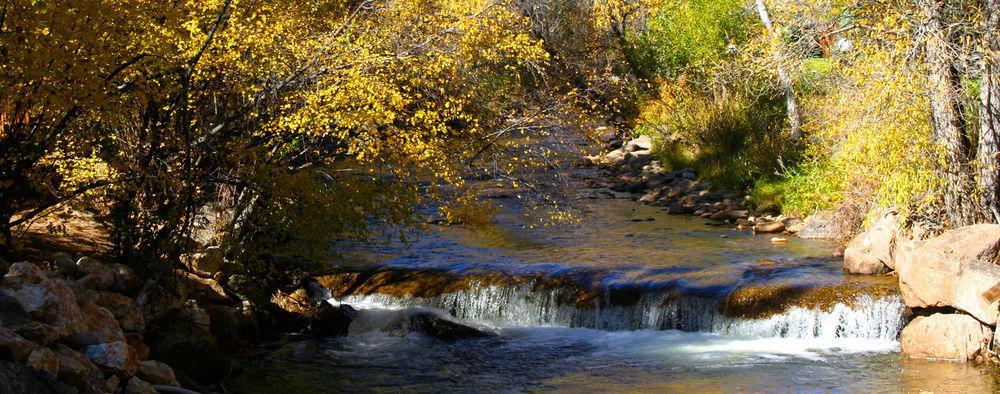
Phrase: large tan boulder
[952,270]
[946,336]
[49,301]
[873,251]
[100,326]
[13,346]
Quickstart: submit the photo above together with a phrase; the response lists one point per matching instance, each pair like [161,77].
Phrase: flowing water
[627,299]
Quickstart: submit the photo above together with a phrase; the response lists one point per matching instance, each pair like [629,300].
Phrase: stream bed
[629,298]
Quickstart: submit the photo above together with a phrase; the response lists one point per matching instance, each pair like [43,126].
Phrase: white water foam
[878,319]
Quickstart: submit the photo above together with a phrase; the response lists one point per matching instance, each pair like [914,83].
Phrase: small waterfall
[525,304]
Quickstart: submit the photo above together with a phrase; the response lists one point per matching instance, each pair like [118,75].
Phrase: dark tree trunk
[989,116]
[948,128]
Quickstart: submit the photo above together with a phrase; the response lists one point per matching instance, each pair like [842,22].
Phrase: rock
[688,174]
[946,336]
[821,225]
[138,386]
[50,301]
[156,372]
[648,198]
[209,261]
[952,270]
[613,158]
[235,328]
[296,302]
[14,347]
[205,289]
[100,326]
[187,347]
[117,304]
[115,357]
[17,378]
[77,370]
[136,341]
[132,321]
[96,275]
[126,280]
[872,251]
[442,328]
[640,143]
[771,227]
[154,301]
[45,360]
[331,321]
[64,262]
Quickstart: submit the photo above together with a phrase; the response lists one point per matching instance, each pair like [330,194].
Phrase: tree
[948,127]
[989,114]
[791,103]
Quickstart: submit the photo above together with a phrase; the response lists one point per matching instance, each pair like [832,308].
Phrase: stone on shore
[771,227]
[952,270]
[115,357]
[956,337]
[873,251]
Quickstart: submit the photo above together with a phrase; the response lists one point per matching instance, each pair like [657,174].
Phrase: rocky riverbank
[79,325]
[951,281]
[631,170]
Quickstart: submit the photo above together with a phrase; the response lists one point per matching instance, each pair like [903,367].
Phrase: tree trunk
[989,116]
[947,125]
[791,104]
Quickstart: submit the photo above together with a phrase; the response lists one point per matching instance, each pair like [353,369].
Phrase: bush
[731,140]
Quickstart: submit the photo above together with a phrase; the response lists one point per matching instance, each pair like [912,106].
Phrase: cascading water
[864,317]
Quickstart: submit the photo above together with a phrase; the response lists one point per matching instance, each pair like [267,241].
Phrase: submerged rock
[946,336]
[953,270]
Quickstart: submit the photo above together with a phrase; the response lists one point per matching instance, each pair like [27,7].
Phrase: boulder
[332,321]
[210,261]
[45,360]
[189,348]
[126,281]
[154,301]
[50,301]
[139,386]
[235,328]
[770,227]
[946,336]
[14,347]
[117,304]
[640,143]
[873,251]
[99,326]
[205,289]
[96,275]
[953,270]
[16,378]
[115,357]
[156,372]
[136,341]
[77,370]
[64,262]
[820,225]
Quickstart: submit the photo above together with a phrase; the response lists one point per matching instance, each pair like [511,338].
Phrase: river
[628,298]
